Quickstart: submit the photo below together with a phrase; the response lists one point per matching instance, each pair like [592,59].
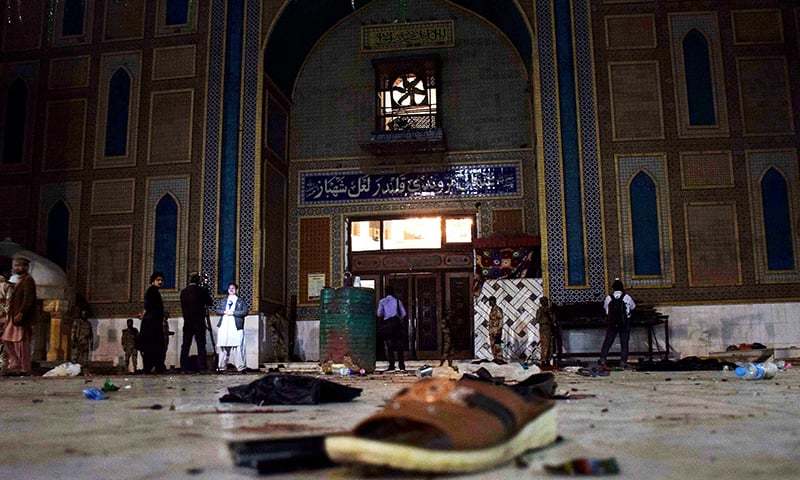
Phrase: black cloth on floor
[542,385]
[284,389]
[686,364]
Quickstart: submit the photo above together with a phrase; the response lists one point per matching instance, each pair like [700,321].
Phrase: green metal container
[347,326]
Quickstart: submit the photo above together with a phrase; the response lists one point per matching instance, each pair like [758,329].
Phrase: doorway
[428,262]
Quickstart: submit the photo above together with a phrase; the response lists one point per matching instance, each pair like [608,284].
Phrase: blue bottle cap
[741,371]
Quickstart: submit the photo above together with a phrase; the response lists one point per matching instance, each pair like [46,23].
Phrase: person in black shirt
[151,341]
[195,301]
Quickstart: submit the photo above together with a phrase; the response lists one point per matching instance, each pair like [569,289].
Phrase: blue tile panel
[229,167]
[588,174]
[570,156]
[229,179]
[462,181]
[209,251]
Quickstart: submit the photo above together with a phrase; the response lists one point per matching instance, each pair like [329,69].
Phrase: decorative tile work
[508,221]
[174,62]
[70,194]
[556,253]
[630,31]
[706,23]
[519,300]
[131,62]
[216,58]
[124,20]
[764,95]
[58,38]
[109,275]
[178,188]
[113,196]
[757,26]
[706,170]
[69,72]
[248,210]
[456,181]
[636,110]
[170,132]
[758,163]
[162,29]
[656,167]
[248,149]
[65,134]
[27,72]
[712,244]
[339,213]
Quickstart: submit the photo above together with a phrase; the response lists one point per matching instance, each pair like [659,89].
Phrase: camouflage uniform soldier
[82,339]
[544,318]
[496,329]
[129,336]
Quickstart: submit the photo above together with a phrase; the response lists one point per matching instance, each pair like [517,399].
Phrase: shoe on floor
[430,427]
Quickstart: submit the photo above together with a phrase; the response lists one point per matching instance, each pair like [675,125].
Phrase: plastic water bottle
[757,371]
[344,372]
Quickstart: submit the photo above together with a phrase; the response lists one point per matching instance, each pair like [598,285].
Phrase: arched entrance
[343,149]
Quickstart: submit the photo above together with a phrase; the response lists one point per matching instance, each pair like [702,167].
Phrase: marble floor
[657,425]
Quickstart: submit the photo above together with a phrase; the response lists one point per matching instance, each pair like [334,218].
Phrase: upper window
[165,243]
[410,233]
[699,89]
[777,221]
[57,244]
[119,96]
[72,22]
[16,118]
[177,12]
[644,226]
[407,95]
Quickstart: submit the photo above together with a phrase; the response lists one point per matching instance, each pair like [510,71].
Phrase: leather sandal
[441,425]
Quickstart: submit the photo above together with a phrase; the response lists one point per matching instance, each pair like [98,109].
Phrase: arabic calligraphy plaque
[462,181]
[407,36]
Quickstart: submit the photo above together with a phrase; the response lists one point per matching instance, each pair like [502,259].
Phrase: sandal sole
[348,449]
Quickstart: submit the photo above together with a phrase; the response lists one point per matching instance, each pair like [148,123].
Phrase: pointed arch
[177,12]
[57,243]
[644,225]
[165,241]
[72,20]
[777,221]
[118,112]
[699,80]
[16,120]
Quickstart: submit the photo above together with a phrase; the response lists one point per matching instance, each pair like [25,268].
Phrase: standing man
[129,336]
[5,296]
[82,339]
[195,301]
[544,318]
[496,329]
[618,306]
[230,331]
[391,327]
[21,317]
[152,342]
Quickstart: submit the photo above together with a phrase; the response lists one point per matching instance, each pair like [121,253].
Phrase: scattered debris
[284,389]
[67,369]
[109,386]
[425,371]
[220,411]
[94,394]
[585,466]
[37,400]
[194,471]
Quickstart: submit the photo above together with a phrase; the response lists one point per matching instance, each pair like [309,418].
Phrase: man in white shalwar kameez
[230,333]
